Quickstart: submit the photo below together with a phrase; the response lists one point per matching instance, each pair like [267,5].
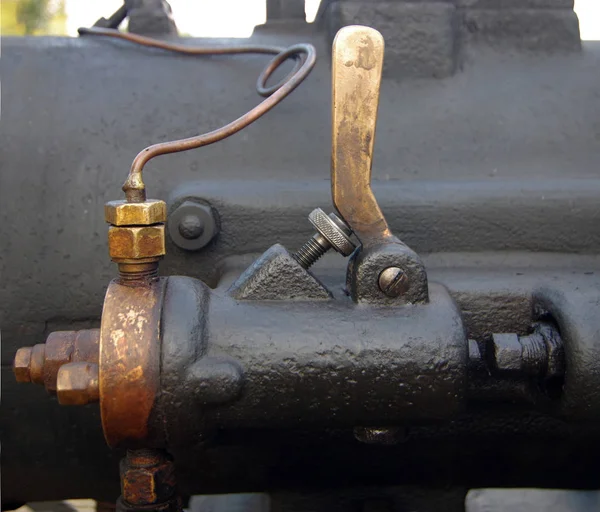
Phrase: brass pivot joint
[136,237]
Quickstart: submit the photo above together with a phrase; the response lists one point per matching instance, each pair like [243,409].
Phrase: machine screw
[393,281]
[332,233]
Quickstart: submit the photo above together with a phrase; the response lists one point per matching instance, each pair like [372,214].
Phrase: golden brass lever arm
[357,63]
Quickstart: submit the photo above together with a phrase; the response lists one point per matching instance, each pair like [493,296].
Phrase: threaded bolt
[333,232]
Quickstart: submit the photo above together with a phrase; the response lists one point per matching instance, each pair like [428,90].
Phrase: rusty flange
[129,359]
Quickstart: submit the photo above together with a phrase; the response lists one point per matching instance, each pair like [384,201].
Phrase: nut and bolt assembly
[332,233]
[136,237]
[67,365]
[539,354]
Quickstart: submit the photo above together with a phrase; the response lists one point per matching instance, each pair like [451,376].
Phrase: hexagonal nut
[21,364]
[77,384]
[122,213]
[59,351]
[507,352]
[148,485]
[36,366]
[136,242]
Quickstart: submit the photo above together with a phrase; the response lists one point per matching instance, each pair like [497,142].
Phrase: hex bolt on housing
[332,233]
[192,225]
[541,353]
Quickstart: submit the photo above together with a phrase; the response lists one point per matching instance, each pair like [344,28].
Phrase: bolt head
[191,227]
[21,364]
[393,281]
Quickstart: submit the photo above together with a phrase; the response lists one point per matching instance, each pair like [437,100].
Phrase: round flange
[129,376]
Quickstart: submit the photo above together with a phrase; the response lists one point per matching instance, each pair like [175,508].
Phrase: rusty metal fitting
[133,270]
[148,481]
[77,384]
[122,213]
[42,363]
[136,242]
[36,364]
[21,364]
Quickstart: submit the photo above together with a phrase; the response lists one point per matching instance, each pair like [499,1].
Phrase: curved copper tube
[304,54]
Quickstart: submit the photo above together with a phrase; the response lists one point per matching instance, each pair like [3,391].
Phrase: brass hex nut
[122,213]
[148,485]
[36,365]
[134,242]
[59,351]
[21,364]
[77,384]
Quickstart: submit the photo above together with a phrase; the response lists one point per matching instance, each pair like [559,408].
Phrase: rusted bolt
[147,478]
[393,281]
[21,364]
[77,384]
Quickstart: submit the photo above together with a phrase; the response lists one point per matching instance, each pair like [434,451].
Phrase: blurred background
[197,18]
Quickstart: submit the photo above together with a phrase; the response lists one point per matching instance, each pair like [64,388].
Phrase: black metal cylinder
[229,364]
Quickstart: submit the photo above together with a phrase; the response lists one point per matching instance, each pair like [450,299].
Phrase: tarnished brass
[122,213]
[21,364]
[77,384]
[42,363]
[129,359]
[136,242]
[357,63]
[36,365]
[59,350]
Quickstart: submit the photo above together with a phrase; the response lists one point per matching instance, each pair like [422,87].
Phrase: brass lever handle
[357,63]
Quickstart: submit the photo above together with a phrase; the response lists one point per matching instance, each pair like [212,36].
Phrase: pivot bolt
[393,281]
[332,233]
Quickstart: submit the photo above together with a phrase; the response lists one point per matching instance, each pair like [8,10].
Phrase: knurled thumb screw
[333,232]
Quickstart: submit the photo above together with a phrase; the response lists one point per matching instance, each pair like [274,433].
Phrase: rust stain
[129,360]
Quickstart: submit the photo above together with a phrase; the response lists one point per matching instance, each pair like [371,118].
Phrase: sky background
[210,18]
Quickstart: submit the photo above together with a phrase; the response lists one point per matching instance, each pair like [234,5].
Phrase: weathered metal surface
[575,313]
[192,225]
[304,54]
[308,364]
[129,359]
[531,207]
[148,482]
[42,363]
[122,213]
[278,275]
[77,384]
[357,62]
